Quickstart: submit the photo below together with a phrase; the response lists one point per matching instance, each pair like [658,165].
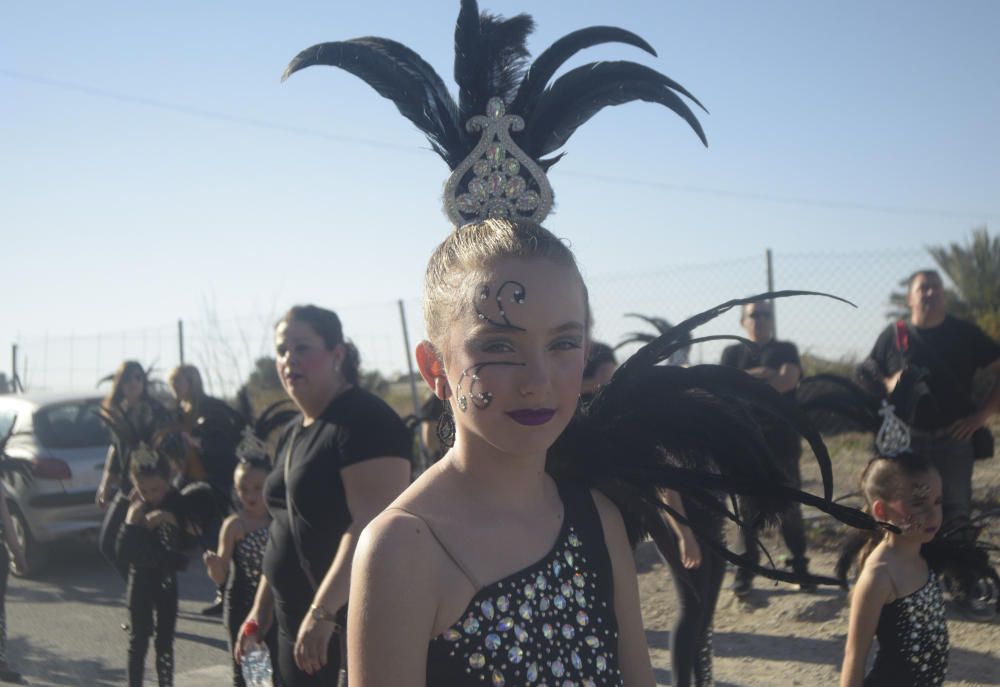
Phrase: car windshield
[71,425]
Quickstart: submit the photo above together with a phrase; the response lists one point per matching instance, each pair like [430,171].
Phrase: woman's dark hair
[127,369]
[600,353]
[327,325]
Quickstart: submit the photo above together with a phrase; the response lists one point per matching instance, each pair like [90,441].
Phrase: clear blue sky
[851,126]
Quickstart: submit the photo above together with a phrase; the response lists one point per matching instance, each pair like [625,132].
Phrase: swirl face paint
[517,296]
[480,398]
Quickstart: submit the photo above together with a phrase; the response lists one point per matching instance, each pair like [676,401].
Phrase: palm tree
[974,269]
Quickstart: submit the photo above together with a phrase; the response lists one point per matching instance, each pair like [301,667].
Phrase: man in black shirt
[777,363]
[927,366]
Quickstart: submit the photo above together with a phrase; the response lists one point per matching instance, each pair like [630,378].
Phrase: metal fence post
[413,381]
[180,340]
[770,287]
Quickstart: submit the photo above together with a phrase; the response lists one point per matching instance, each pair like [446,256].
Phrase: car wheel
[33,552]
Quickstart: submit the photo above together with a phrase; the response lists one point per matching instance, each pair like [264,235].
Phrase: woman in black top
[342,462]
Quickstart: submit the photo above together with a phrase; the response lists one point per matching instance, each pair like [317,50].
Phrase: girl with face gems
[897,597]
[487,567]
[340,462]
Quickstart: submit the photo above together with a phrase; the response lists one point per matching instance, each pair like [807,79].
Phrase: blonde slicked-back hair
[473,249]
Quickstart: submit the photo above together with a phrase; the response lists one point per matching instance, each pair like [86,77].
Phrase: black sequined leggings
[151,592]
[691,637]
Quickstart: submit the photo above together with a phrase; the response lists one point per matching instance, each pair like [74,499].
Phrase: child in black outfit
[150,545]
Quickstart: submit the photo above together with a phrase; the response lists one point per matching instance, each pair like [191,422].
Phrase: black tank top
[912,640]
[552,623]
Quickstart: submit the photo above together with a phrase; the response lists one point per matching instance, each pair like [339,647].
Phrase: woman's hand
[690,550]
[312,643]
[101,497]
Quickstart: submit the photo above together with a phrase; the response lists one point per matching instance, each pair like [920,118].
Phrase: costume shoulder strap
[444,547]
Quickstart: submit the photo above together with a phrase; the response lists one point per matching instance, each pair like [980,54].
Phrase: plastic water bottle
[256,662]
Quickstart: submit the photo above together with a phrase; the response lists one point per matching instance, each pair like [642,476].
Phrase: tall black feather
[550,60]
[399,74]
[578,95]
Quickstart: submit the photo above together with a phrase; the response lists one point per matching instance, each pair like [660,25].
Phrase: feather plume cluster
[491,61]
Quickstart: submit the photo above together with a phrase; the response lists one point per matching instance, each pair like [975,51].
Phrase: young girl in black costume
[897,597]
[150,545]
[238,561]
[134,417]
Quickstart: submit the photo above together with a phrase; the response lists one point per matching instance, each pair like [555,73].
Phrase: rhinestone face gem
[559,601]
[541,582]
[581,598]
[566,589]
[547,631]
[515,654]
[579,580]
[503,604]
[505,624]
[544,604]
[587,682]
[568,555]
[582,618]
[477,660]
[575,659]
[574,540]
[452,635]
[520,634]
[601,663]
[568,631]
[558,669]
[529,591]
[498,680]
[592,641]
[492,641]
[487,608]
[556,568]
[482,167]
[471,625]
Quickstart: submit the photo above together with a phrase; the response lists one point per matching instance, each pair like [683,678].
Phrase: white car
[64,444]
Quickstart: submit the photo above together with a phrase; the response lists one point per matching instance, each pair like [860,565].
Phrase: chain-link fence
[226,349]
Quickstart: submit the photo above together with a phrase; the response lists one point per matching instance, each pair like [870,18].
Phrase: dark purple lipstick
[532,416]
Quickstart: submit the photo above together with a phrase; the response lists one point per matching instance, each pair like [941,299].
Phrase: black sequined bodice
[248,556]
[913,640]
[552,623]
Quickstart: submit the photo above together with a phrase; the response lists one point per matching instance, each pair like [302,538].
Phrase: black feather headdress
[523,114]
[691,430]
